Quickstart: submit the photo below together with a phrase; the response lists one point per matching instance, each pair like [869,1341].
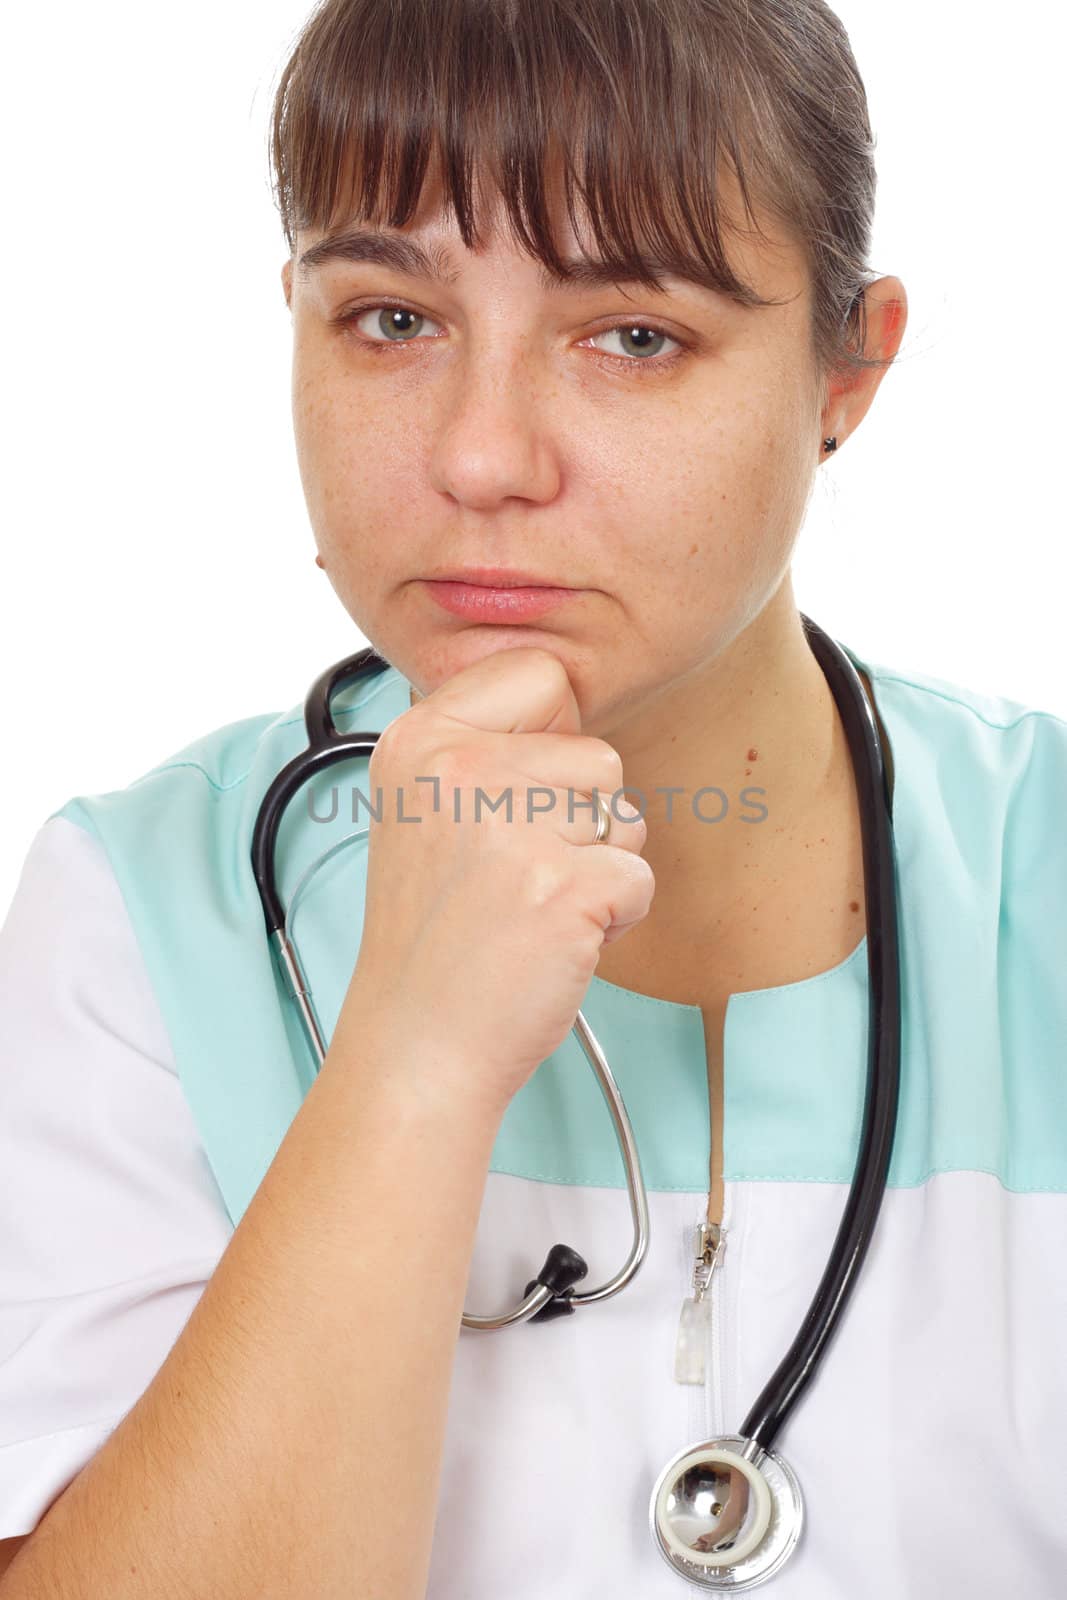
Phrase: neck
[760,724]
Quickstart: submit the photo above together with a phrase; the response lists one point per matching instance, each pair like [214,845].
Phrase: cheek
[727,515]
[771,475]
[318,404]
[335,446]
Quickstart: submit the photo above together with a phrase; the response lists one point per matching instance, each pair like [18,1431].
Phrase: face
[652,452]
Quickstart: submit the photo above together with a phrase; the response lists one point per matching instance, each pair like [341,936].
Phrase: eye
[398,324]
[392,320]
[635,335]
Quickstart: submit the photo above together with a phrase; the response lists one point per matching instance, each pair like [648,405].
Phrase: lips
[497,602]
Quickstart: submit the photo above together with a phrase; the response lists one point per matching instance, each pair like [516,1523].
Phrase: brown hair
[642,99]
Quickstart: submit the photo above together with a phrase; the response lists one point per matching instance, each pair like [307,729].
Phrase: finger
[626,886]
[569,813]
[514,690]
[562,760]
[573,765]
[546,775]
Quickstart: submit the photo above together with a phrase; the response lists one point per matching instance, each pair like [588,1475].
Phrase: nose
[493,435]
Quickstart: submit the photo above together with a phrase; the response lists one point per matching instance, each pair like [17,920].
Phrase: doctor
[566,513]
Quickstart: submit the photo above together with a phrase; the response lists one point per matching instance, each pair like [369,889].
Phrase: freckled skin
[503,436]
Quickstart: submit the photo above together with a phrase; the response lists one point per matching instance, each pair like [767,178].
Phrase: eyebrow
[434,262]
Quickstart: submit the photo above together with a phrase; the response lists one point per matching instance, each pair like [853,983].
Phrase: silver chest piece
[726,1514]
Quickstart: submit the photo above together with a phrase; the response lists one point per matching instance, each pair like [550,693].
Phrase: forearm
[289,1448]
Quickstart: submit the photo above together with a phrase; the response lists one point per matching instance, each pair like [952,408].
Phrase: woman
[234,1283]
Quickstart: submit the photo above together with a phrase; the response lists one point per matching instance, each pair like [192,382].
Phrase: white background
[158,561]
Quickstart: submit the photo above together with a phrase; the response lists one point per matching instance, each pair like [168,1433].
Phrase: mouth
[496,601]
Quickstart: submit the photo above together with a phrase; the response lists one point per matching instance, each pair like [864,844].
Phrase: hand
[481,933]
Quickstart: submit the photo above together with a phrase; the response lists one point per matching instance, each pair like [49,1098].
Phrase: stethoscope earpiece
[563,1268]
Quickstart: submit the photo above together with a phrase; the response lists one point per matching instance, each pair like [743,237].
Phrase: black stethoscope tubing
[797,1367]
[327,745]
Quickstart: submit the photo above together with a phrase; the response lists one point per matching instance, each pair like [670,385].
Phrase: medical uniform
[150,1066]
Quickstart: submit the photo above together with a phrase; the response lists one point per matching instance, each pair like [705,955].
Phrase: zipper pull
[709,1246]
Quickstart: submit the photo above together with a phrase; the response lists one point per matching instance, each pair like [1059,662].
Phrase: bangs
[626,109]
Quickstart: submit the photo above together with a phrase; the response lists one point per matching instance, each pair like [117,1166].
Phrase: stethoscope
[725,1513]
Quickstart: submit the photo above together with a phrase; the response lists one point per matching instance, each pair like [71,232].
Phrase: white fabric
[943,1395]
[111,1224]
[111,1221]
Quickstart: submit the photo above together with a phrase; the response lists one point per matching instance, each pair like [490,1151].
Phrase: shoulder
[946,702]
[970,751]
[979,798]
[223,772]
[983,853]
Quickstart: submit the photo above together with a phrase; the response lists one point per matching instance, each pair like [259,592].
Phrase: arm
[291,1443]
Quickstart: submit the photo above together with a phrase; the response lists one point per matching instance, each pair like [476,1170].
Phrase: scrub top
[150,1065]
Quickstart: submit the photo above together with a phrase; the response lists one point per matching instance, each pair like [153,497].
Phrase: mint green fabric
[980,797]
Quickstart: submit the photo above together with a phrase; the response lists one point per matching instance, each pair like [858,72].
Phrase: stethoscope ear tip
[563,1268]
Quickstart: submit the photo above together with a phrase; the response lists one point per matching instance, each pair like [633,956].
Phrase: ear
[849,398]
[287,281]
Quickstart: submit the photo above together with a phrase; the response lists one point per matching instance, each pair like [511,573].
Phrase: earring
[829,445]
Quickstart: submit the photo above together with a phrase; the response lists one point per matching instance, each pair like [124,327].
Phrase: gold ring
[603,819]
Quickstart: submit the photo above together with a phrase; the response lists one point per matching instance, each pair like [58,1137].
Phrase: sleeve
[111,1221]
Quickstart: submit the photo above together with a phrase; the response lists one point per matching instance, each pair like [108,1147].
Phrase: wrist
[407,1076]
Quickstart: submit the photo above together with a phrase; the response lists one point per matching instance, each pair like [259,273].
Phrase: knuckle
[545,882]
[459,765]
[634,823]
[394,747]
[645,876]
[608,764]
[635,874]
[549,665]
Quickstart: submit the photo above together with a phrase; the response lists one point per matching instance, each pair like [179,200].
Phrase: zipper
[716,1387]
[698,1342]
[698,1346]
